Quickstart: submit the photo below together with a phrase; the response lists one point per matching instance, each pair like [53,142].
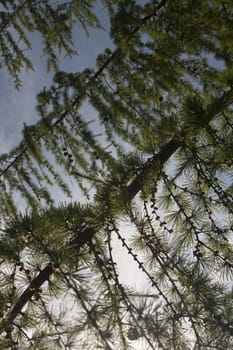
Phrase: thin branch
[11,16]
[35,284]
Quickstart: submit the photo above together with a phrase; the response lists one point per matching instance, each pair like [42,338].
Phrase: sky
[18,107]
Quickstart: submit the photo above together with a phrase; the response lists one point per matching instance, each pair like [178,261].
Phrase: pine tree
[163,164]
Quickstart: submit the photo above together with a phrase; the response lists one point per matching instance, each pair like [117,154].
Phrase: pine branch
[35,284]
[160,158]
[132,189]
[14,161]
[92,79]
[12,16]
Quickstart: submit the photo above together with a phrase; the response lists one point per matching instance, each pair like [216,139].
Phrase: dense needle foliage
[161,161]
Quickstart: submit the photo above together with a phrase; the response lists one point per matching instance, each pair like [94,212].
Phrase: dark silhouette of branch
[160,158]
[35,284]
[11,17]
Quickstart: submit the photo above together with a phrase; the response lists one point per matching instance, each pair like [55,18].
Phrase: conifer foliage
[162,163]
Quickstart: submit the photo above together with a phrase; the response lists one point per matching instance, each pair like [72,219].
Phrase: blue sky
[18,107]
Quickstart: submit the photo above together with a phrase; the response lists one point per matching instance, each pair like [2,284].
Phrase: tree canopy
[157,157]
